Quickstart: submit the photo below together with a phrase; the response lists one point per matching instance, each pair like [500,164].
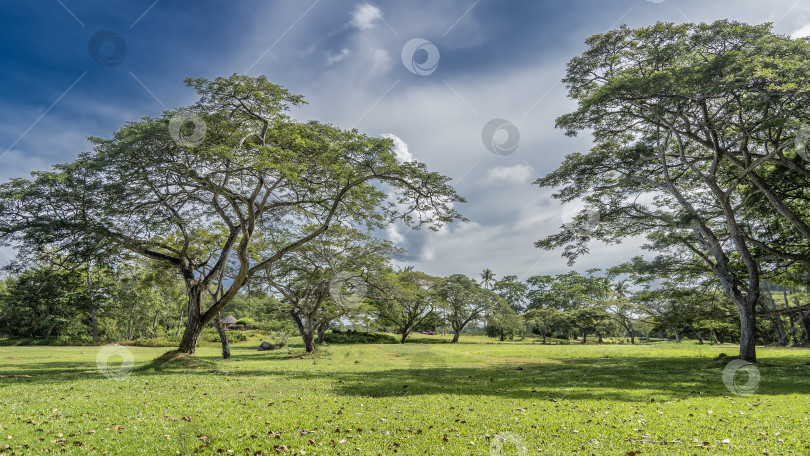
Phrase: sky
[470,87]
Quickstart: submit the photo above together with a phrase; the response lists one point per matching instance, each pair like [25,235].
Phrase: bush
[246,322]
[211,335]
[156,342]
[358,337]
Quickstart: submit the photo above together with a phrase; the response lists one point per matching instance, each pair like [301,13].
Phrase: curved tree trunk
[223,337]
[321,330]
[194,324]
[455,336]
[306,330]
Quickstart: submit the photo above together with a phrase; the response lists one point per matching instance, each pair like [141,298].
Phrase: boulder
[265,346]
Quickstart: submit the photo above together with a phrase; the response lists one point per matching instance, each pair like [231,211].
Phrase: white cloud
[517,174]
[380,61]
[400,148]
[394,235]
[802,32]
[365,16]
[332,59]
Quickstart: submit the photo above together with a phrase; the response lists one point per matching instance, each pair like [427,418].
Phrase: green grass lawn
[435,399]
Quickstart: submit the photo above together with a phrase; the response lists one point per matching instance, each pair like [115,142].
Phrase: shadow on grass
[612,378]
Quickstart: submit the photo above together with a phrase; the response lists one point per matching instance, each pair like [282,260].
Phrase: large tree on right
[699,133]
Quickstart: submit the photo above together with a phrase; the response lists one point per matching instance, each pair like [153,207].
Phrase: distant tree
[487,278]
[569,291]
[322,280]
[404,300]
[504,323]
[513,291]
[589,320]
[543,321]
[465,301]
[44,302]
[622,309]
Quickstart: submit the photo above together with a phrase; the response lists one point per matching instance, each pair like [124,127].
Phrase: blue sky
[496,59]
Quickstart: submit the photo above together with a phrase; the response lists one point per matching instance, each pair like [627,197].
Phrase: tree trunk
[677,335]
[191,336]
[777,320]
[223,337]
[403,336]
[544,337]
[93,319]
[455,336]
[306,331]
[584,338]
[321,330]
[194,324]
[805,321]
[599,335]
[747,336]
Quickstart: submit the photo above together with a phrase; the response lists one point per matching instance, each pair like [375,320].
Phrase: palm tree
[487,278]
[621,289]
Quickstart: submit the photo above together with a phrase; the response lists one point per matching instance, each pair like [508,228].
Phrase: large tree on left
[160,182]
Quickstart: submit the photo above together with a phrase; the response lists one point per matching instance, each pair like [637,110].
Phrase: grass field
[475,397]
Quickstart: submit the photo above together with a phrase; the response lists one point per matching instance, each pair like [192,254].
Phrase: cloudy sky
[438,77]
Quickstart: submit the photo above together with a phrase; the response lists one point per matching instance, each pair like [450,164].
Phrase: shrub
[156,342]
[246,322]
[358,337]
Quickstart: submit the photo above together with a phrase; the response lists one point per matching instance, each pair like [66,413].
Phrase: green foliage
[44,302]
[504,323]
[258,179]
[464,301]
[405,301]
[351,336]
